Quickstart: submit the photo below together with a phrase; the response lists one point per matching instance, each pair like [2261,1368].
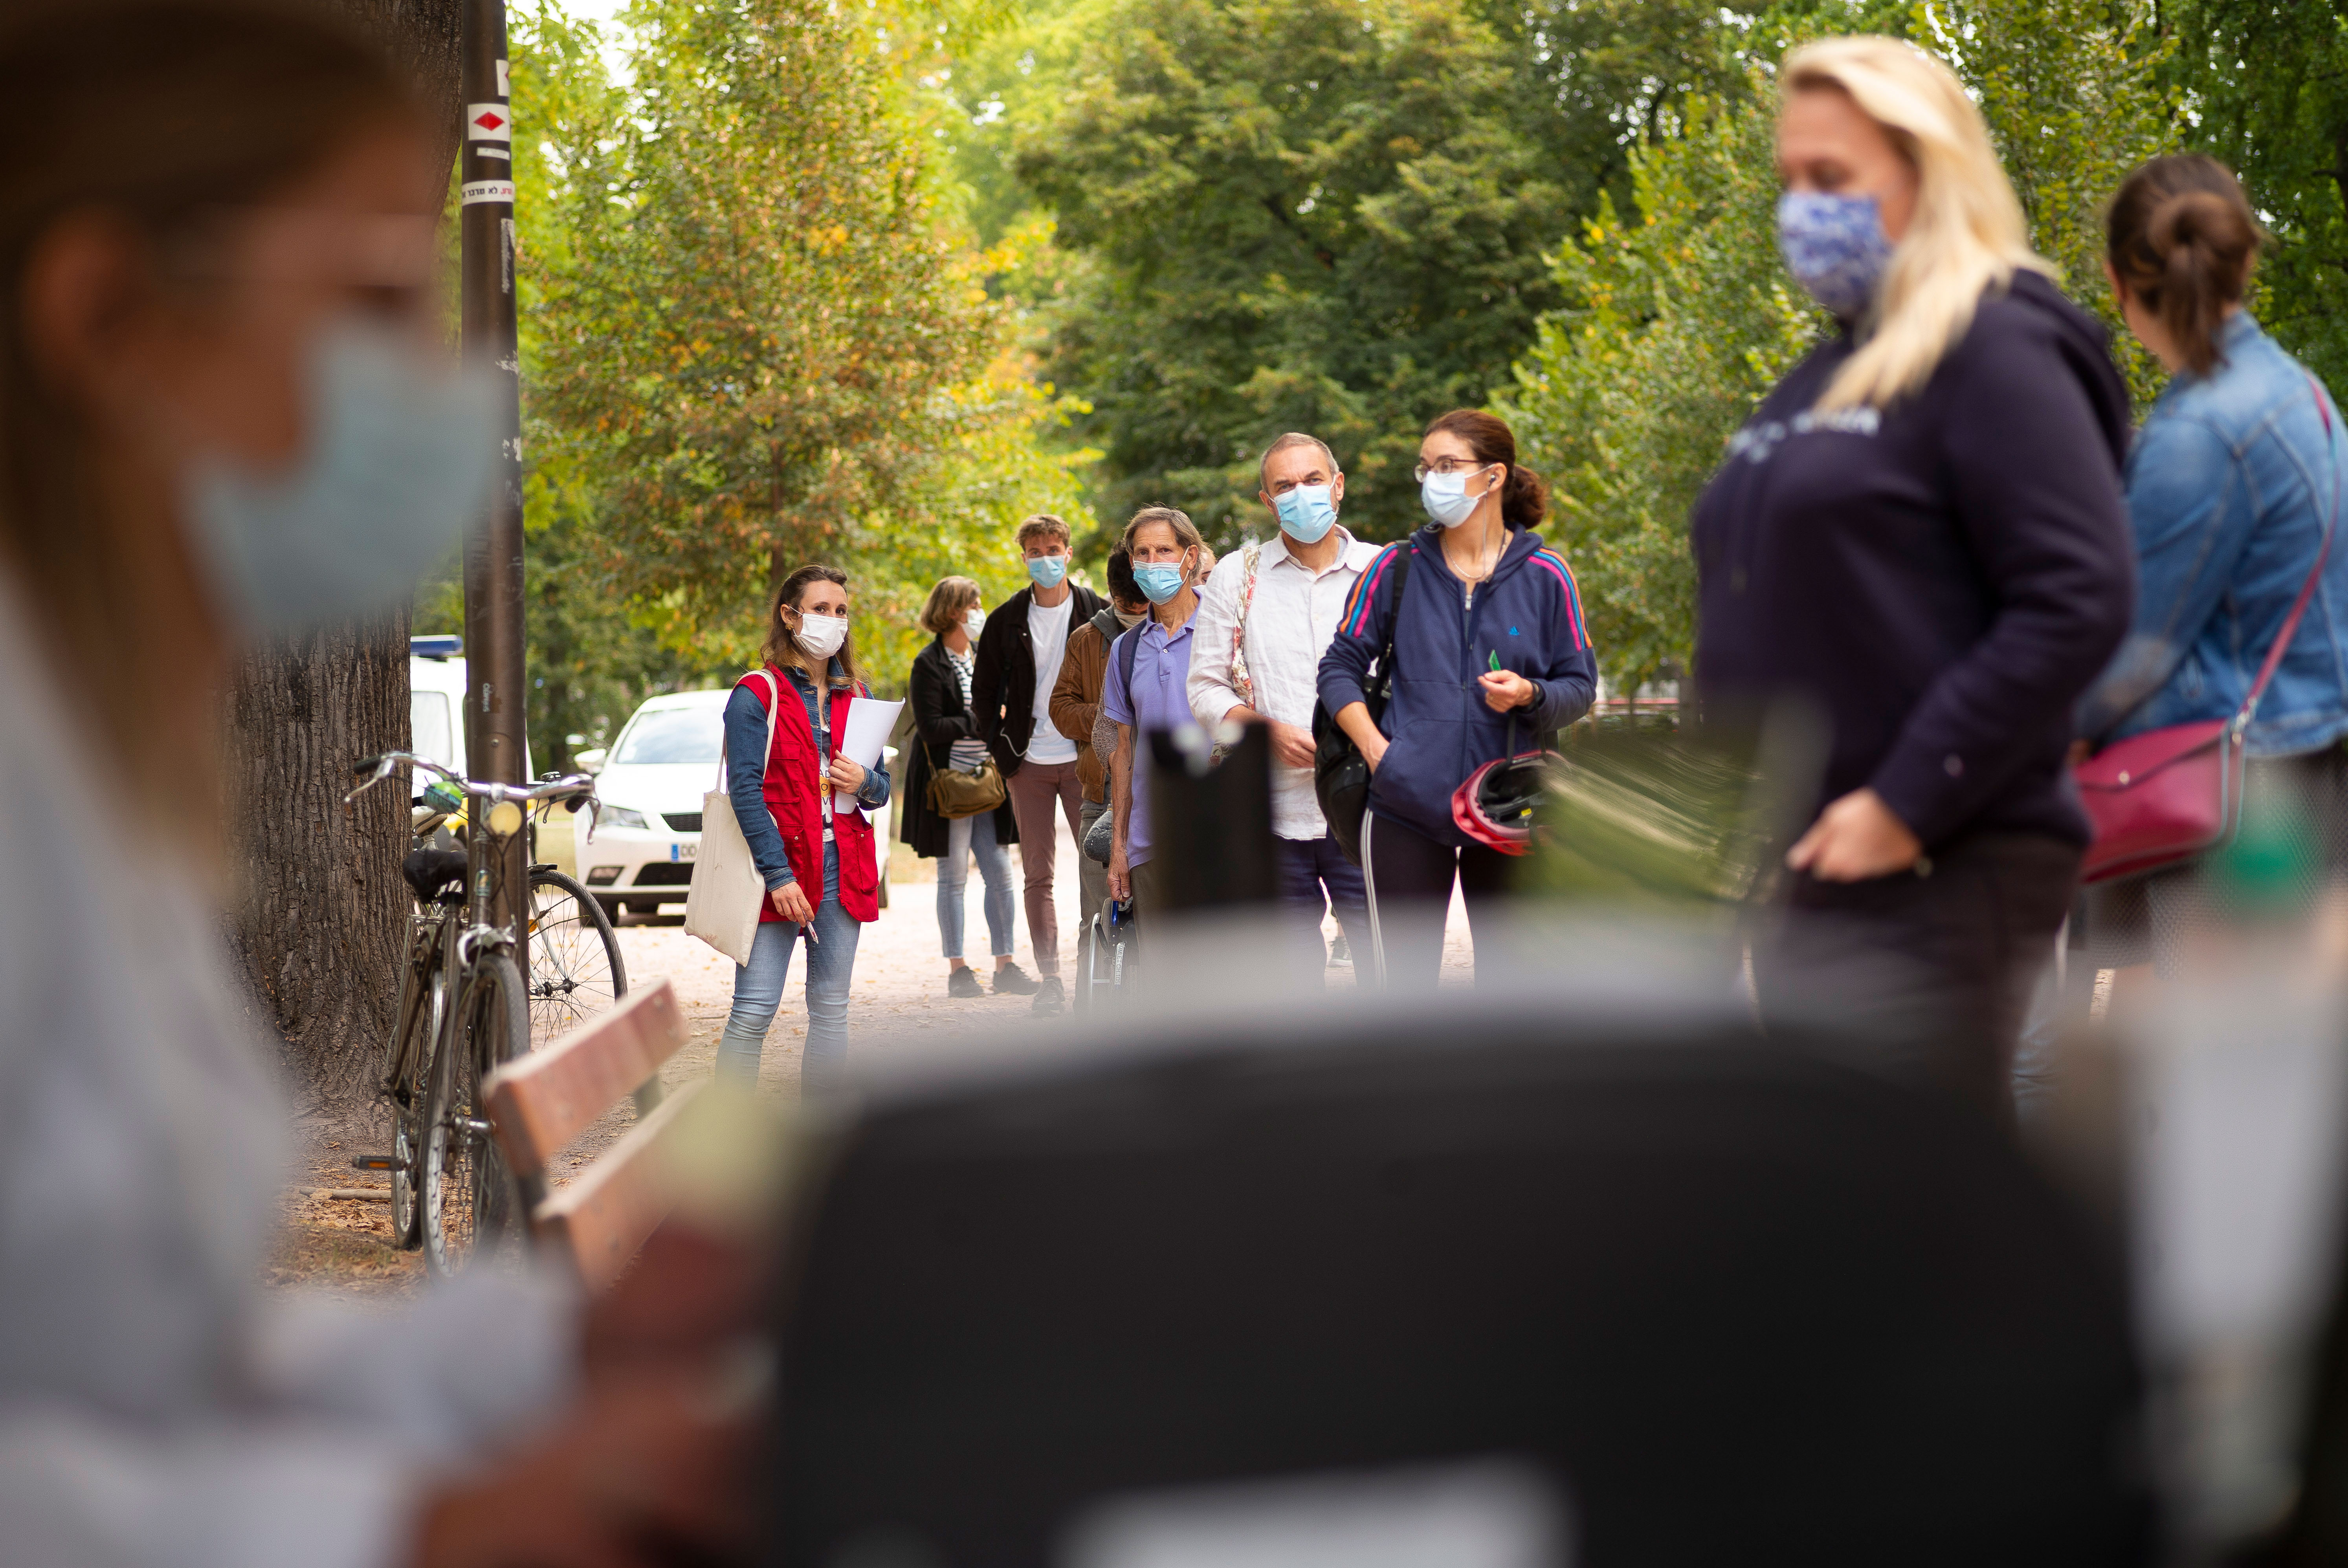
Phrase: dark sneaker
[1049,998]
[964,983]
[1011,980]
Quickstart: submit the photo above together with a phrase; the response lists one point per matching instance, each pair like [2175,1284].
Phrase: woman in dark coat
[946,735]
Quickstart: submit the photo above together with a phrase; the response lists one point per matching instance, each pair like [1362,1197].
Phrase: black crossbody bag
[1341,776]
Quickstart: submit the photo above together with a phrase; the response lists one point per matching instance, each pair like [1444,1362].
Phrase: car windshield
[675,735]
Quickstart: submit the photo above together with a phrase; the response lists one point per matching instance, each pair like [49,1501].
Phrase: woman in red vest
[790,793]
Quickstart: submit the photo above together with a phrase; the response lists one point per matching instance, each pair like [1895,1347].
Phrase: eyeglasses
[1448,466]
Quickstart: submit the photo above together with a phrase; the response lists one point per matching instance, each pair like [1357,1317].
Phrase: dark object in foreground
[1741,1304]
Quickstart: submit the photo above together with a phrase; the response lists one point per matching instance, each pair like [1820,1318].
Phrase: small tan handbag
[726,897]
[954,795]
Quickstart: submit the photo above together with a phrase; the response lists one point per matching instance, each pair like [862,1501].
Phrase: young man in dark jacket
[1019,655]
[1077,710]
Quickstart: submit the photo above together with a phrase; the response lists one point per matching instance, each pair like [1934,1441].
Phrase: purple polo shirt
[1159,700]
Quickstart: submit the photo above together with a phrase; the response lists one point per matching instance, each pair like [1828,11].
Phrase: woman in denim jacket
[2231,485]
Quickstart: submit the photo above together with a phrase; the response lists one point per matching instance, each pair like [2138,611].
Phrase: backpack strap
[1394,622]
[1128,644]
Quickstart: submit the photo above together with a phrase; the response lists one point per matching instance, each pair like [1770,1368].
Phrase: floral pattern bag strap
[1241,680]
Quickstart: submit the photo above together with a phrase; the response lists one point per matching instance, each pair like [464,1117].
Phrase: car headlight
[620,816]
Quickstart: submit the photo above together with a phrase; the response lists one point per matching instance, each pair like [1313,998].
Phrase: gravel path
[899,994]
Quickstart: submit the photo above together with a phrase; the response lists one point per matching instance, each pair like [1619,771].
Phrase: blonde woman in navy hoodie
[1488,647]
[1919,538]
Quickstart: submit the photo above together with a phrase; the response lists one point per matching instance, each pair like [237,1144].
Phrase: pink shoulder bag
[2163,797]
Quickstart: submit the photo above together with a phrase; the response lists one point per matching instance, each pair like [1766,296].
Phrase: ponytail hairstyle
[2181,238]
[1968,233]
[1524,499]
[783,648]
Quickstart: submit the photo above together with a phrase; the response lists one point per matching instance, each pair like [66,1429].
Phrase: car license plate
[681,851]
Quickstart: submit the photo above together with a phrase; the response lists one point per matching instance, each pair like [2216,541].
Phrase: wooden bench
[539,1102]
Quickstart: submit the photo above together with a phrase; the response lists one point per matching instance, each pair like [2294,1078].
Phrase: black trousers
[1925,977]
[1408,877]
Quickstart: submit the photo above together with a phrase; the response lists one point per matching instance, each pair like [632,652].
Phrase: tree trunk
[319,927]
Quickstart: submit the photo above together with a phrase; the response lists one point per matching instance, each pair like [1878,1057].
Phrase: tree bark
[320,923]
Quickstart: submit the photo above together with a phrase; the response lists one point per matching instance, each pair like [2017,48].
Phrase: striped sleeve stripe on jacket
[1556,563]
[1366,590]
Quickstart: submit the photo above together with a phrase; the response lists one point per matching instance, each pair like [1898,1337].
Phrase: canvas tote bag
[726,897]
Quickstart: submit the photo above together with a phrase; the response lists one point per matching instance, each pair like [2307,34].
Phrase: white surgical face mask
[1129,618]
[972,620]
[821,635]
[1445,497]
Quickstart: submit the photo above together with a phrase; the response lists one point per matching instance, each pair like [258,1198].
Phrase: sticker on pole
[488,122]
[478,192]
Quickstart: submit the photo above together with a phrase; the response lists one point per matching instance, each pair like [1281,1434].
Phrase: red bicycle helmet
[1495,807]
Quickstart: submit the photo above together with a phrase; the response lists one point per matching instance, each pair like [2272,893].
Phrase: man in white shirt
[1019,655]
[1265,619]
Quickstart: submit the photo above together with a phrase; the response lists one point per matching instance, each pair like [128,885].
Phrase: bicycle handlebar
[572,786]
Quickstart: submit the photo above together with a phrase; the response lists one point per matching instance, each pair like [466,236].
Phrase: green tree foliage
[755,336]
[1681,320]
[1678,324]
[1327,215]
[1324,215]
[2266,86]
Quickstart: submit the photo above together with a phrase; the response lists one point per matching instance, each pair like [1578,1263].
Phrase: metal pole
[496,709]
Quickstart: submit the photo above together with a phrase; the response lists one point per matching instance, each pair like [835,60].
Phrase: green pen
[1496,661]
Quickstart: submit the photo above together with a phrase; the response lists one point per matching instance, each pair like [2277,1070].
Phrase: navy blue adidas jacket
[1527,614]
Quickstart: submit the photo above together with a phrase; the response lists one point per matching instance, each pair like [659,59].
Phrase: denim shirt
[2229,485]
[745,737]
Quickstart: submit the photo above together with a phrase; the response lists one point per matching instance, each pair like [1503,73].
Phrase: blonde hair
[1968,233]
[948,601]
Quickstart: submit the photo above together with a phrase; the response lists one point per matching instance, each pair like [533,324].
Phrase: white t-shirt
[1048,631]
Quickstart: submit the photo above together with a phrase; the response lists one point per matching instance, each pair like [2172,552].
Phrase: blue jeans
[967,836]
[759,991]
[1315,878]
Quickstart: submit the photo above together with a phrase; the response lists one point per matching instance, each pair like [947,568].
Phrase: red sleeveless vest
[794,789]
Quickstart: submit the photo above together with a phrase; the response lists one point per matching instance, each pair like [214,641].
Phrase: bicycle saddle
[432,872]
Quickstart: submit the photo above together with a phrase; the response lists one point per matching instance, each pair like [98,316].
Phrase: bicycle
[463,1010]
[576,971]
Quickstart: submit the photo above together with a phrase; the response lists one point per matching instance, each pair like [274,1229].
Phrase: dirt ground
[344,1243]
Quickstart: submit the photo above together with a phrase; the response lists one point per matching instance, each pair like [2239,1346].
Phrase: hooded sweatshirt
[1938,580]
[1527,616]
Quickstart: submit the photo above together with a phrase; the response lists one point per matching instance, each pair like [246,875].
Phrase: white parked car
[651,782]
[436,702]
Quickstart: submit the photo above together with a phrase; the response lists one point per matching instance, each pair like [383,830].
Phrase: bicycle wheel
[471,1207]
[421,1003]
[575,969]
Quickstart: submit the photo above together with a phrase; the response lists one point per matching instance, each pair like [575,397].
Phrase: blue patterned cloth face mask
[396,462]
[1305,513]
[1046,571]
[1835,247]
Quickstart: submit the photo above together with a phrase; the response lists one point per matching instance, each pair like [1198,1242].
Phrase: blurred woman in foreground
[224,413]
[1919,538]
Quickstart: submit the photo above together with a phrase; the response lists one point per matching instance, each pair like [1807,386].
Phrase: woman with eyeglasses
[1490,657]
